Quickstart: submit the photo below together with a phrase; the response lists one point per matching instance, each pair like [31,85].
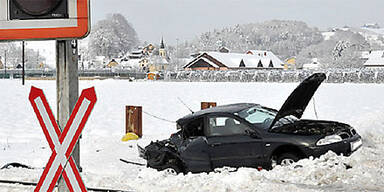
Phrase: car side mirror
[252,133]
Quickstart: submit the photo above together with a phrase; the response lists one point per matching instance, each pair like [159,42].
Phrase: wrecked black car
[251,135]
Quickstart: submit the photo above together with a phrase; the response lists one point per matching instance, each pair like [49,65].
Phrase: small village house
[112,64]
[235,61]
[224,50]
[313,65]
[136,54]
[290,63]
[97,62]
[375,59]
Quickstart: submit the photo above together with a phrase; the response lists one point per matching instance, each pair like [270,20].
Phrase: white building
[313,65]
[375,59]
[98,62]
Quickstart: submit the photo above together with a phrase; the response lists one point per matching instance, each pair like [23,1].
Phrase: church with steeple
[160,61]
[162,51]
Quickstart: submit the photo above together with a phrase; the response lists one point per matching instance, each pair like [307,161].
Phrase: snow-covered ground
[22,140]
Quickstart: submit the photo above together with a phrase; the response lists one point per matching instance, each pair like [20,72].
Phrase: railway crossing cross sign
[44,19]
[62,143]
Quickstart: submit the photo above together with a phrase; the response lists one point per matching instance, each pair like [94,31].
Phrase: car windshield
[258,116]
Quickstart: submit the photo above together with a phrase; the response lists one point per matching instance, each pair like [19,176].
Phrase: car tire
[172,169]
[287,159]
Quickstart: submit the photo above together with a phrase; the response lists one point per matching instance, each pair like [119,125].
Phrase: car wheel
[172,169]
[287,159]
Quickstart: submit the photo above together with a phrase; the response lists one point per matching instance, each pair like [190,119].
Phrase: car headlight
[329,139]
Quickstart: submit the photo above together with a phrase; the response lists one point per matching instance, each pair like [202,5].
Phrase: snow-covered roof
[328,35]
[379,31]
[232,60]
[224,50]
[131,63]
[365,55]
[100,58]
[371,25]
[266,54]
[311,66]
[159,60]
[135,54]
[210,62]
[375,58]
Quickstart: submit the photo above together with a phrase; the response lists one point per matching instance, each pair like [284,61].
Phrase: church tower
[162,51]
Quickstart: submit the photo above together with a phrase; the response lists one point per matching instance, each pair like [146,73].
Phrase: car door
[231,145]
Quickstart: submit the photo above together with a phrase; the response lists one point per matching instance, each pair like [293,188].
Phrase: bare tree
[342,50]
[284,38]
[112,37]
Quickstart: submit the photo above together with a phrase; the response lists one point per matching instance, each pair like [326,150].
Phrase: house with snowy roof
[224,50]
[136,54]
[234,61]
[375,59]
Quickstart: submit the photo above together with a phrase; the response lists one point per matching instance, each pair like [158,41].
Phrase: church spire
[162,51]
[162,46]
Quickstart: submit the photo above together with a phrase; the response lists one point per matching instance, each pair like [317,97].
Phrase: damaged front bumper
[159,155]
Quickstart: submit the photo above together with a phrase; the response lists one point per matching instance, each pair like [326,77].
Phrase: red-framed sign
[63,142]
[59,19]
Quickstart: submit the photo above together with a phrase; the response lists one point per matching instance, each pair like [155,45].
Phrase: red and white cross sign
[62,143]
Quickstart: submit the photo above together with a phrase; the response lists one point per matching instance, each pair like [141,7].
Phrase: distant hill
[336,48]
[284,38]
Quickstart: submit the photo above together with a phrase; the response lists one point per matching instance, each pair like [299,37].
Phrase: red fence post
[206,105]
[134,120]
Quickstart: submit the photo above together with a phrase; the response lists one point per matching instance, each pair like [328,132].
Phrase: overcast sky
[183,19]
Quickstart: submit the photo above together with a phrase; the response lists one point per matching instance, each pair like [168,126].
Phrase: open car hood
[298,100]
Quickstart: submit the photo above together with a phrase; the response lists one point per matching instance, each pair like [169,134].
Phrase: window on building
[270,64]
[242,64]
[260,64]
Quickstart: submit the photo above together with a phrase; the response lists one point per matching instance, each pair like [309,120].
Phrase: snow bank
[329,172]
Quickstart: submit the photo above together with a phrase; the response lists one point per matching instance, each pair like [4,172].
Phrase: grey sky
[184,19]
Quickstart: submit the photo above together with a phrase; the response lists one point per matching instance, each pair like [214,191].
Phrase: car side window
[222,126]
[194,128]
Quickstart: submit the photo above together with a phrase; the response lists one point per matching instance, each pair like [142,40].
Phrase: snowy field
[22,139]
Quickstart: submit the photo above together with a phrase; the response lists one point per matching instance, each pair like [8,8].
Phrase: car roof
[229,109]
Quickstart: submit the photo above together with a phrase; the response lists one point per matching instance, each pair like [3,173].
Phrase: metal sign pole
[67,87]
[5,64]
[23,62]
